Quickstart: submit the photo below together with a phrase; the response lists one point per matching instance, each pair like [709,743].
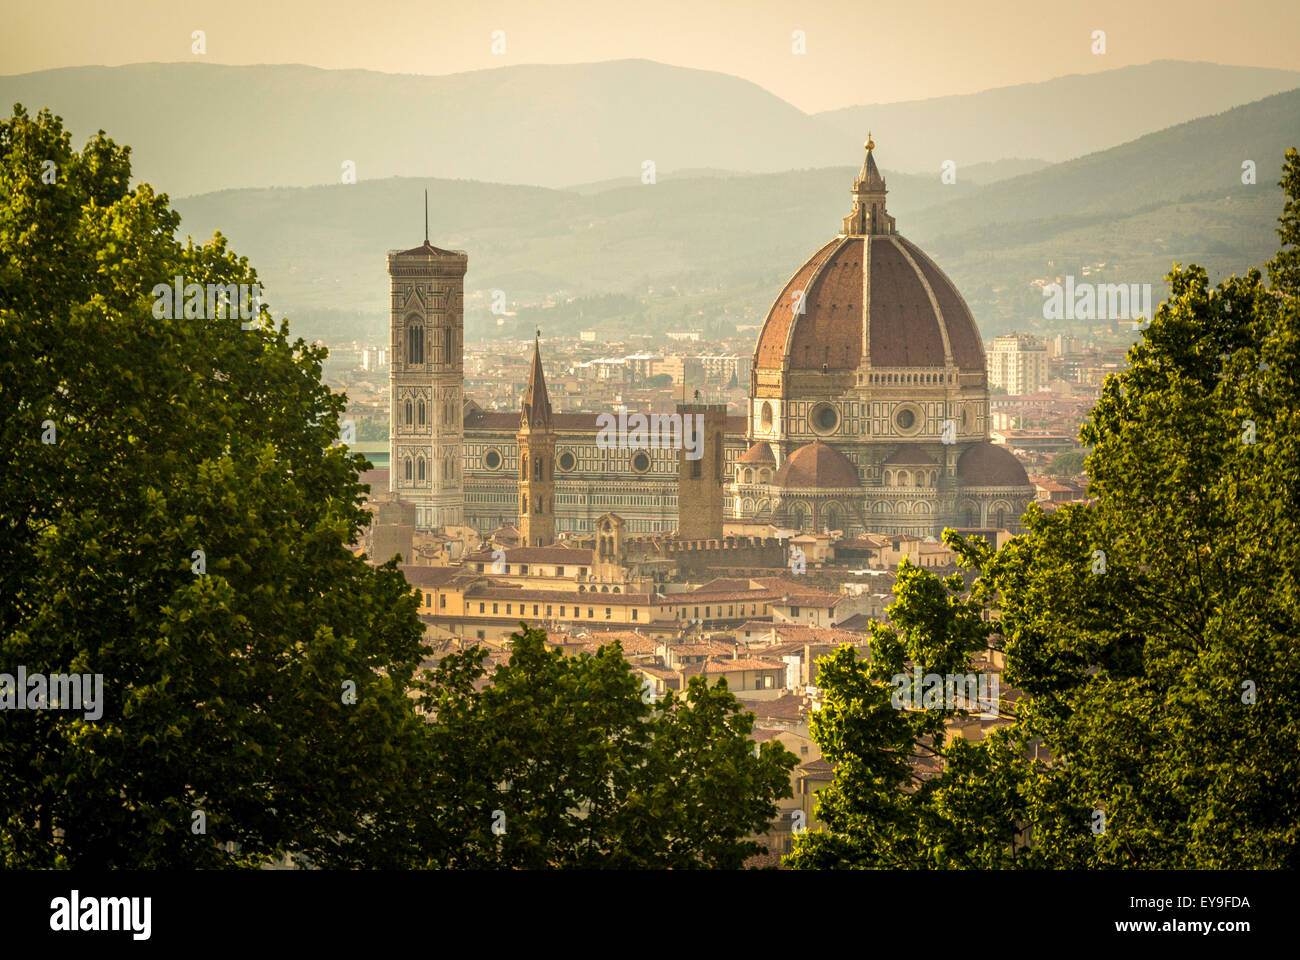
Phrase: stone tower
[536,440]
[426,336]
[700,481]
[608,562]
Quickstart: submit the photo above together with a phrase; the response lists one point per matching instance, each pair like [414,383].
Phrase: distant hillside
[1200,158]
[714,249]
[323,247]
[1057,119]
[994,170]
[199,127]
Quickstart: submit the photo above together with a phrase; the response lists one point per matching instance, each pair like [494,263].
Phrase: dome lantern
[868,216]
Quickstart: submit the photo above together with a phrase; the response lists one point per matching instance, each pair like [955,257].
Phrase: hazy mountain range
[198,127]
[717,245]
[708,243]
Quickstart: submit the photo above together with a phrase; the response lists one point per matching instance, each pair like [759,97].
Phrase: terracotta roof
[818,466]
[812,598]
[906,329]
[986,465]
[562,555]
[418,575]
[721,585]
[858,623]
[789,707]
[634,644]
[752,663]
[492,590]
[770,351]
[378,479]
[758,453]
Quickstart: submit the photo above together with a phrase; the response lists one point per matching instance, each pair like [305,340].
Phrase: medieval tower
[426,337]
[700,478]
[536,439]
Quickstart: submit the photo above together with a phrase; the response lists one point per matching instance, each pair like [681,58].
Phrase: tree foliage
[1149,636]
[223,690]
[555,761]
[271,685]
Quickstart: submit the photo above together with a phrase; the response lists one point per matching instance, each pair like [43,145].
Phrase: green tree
[131,442]
[1068,464]
[558,761]
[1150,636]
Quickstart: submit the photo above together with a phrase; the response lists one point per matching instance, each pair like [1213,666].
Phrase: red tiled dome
[914,316]
[907,326]
[986,465]
[758,453]
[819,467]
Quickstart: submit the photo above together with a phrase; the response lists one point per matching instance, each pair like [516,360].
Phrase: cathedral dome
[912,314]
[986,465]
[819,467]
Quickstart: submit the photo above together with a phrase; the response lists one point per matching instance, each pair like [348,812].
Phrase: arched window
[523,467]
[1001,518]
[970,517]
[419,469]
[414,342]
[408,413]
[419,413]
[539,469]
[407,467]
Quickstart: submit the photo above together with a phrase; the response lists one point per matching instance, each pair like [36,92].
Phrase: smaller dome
[908,455]
[758,453]
[819,467]
[986,465]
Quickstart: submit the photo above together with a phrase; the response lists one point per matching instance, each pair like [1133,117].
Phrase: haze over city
[591,436]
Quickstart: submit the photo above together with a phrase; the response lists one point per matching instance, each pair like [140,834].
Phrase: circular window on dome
[641,462]
[567,461]
[824,418]
[492,460]
[907,419]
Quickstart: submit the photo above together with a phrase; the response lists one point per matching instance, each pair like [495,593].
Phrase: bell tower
[536,439]
[426,381]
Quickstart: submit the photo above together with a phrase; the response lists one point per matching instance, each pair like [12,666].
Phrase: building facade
[868,410]
[1018,363]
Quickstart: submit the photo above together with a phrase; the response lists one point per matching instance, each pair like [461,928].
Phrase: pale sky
[858,51]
